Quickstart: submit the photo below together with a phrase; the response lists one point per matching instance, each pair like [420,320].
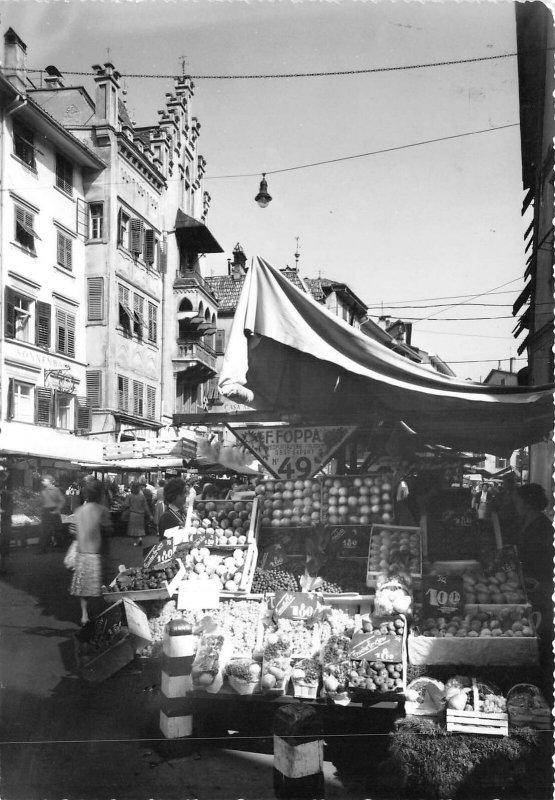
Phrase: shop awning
[288,354]
[194,235]
[19,438]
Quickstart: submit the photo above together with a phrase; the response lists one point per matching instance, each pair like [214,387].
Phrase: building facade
[43,347]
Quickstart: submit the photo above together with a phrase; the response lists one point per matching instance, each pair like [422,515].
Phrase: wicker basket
[306,690]
[538,717]
[426,709]
[243,687]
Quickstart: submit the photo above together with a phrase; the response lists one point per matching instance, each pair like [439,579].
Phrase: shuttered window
[125,313]
[123,228]
[43,406]
[94,386]
[64,174]
[43,317]
[138,315]
[123,393]
[149,246]
[23,145]
[152,322]
[162,255]
[64,251]
[65,333]
[151,402]
[25,233]
[220,342]
[138,392]
[136,229]
[95,299]
[83,414]
[9,314]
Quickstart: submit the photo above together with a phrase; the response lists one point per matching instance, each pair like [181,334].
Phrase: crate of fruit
[378,659]
[289,504]
[357,499]
[305,677]
[484,712]
[528,708]
[232,569]
[225,523]
[506,637]
[394,549]
[157,582]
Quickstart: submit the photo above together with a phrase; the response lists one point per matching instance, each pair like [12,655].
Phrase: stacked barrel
[178,652]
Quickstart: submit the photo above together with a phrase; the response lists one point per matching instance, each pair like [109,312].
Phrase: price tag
[349,541]
[443,595]
[376,647]
[202,539]
[159,554]
[295,605]
[272,558]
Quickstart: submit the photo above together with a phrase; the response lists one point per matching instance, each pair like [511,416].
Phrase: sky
[404,229]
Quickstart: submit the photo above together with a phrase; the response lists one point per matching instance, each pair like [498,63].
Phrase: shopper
[175,492]
[53,502]
[209,492]
[6,510]
[92,527]
[138,511]
[159,506]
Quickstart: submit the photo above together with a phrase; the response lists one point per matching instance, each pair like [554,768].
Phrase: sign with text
[443,595]
[349,541]
[273,557]
[158,554]
[295,605]
[290,452]
[376,647]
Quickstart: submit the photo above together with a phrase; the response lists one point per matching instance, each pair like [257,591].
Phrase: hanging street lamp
[263,198]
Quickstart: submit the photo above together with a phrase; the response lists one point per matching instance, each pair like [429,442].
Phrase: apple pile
[289,503]
[501,587]
[395,550]
[222,522]
[357,500]
[506,623]
[203,565]
[376,676]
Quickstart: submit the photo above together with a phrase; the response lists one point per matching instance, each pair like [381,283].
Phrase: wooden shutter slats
[43,406]
[83,414]
[43,317]
[136,228]
[94,382]
[149,245]
[95,299]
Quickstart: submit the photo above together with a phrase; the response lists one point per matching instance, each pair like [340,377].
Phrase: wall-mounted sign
[290,452]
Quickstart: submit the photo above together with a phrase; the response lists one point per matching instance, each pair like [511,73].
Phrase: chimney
[54,77]
[15,53]
[106,100]
[238,264]
[383,322]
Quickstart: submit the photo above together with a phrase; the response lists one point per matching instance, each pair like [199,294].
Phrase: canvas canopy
[287,354]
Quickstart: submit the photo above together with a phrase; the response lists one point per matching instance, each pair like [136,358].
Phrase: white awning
[36,441]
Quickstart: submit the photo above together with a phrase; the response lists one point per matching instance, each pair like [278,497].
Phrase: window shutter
[149,246]
[220,341]
[10,403]
[68,253]
[152,322]
[10,314]
[151,402]
[43,406]
[95,299]
[94,378]
[162,257]
[60,258]
[64,174]
[43,315]
[123,393]
[138,390]
[70,335]
[83,414]
[60,331]
[120,237]
[136,235]
[81,218]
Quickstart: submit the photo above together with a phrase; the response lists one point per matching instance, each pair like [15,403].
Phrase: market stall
[377,592]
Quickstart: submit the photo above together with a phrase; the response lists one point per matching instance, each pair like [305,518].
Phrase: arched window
[185,305]
[207,315]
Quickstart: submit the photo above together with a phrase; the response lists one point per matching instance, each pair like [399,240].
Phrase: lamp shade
[263,198]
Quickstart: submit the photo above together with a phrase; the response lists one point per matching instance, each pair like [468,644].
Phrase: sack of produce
[393,596]
[528,707]
[276,662]
[305,676]
[335,668]
[243,675]
[210,660]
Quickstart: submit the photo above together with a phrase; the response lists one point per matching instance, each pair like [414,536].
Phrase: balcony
[190,279]
[196,359]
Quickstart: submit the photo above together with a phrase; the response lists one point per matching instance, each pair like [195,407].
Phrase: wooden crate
[492,724]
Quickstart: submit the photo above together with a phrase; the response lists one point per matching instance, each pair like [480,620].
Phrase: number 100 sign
[443,595]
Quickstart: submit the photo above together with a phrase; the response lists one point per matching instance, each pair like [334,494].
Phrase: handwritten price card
[349,541]
[159,554]
[376,647]
[295,605]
